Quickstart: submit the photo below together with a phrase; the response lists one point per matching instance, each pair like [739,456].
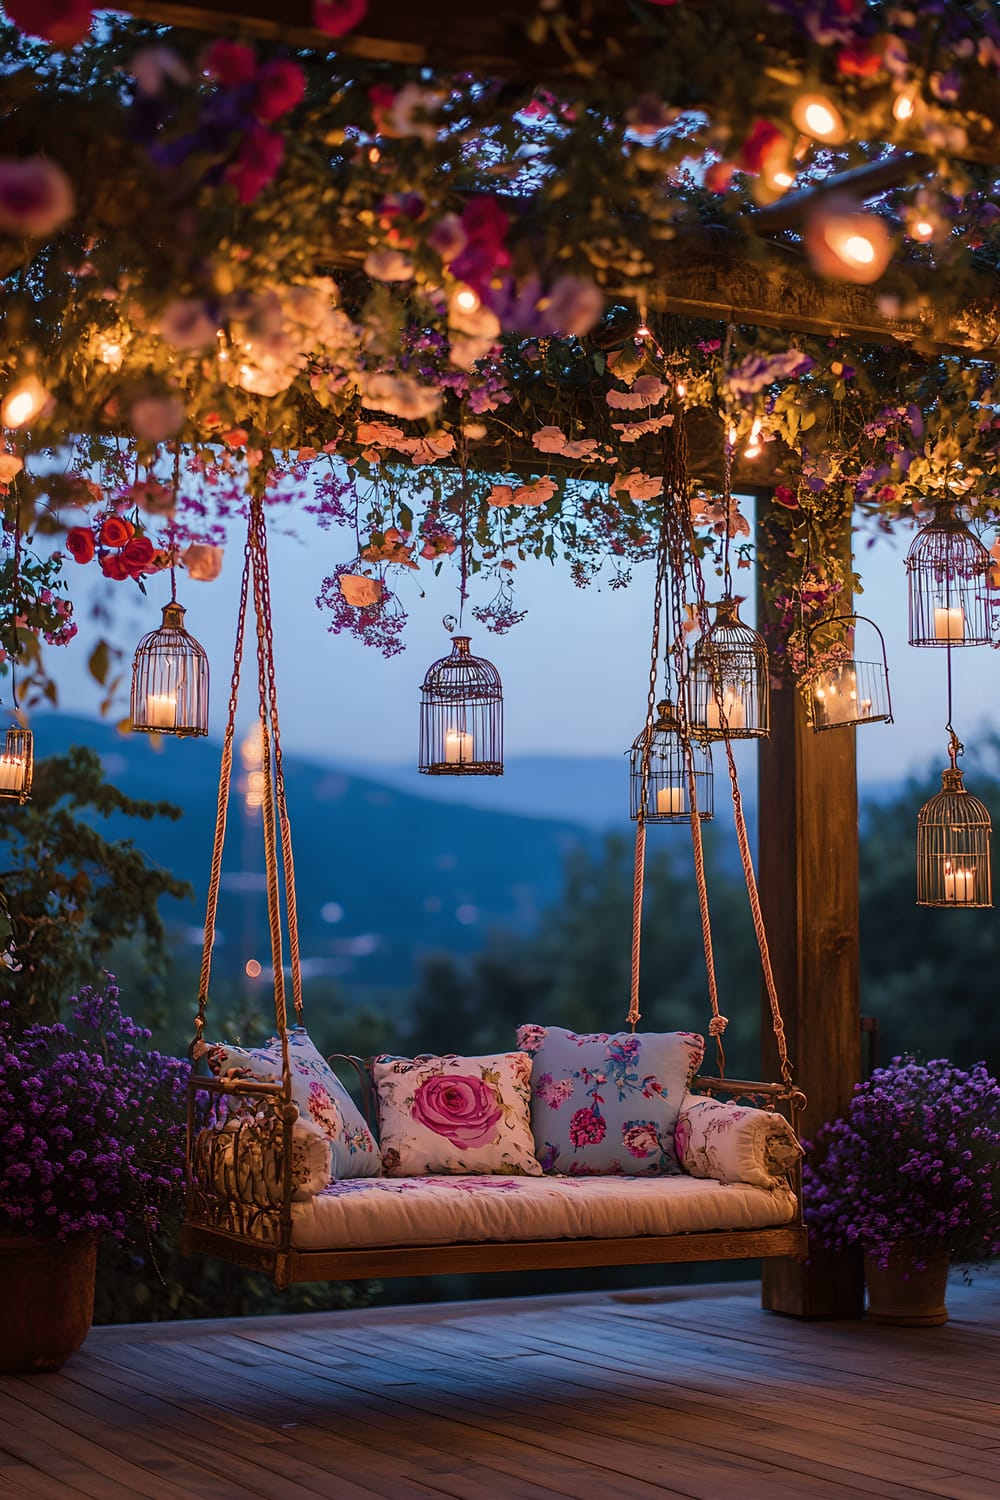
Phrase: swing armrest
[731,1142]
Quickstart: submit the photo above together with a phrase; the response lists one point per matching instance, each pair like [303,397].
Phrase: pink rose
[257,164]
[280,85]
[61,22]
[230,63]
[323,1110]
[464,1110]
[36,198]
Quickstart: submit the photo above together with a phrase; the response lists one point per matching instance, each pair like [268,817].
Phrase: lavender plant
[92,1124]
[917,1157]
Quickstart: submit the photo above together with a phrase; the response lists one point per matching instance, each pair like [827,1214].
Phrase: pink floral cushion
[325,1107]
[455,1114]
[733,1143]
[607,1104]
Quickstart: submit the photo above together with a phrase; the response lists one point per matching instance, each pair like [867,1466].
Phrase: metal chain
[222,807]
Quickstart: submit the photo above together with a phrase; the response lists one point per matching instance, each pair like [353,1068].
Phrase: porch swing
[250,1198]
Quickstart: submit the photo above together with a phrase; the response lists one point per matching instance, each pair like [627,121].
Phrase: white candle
[11,773]
[670,799]
[161,710]
[949,624]
[732,707]
[959,885]
[457,747]
[839,698]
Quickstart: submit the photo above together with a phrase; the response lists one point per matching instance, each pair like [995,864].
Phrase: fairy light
[643,331]
[253,968]
[782,179]
[858,250]
[25,401]
[374,155]
[111,355]
[467,300]
[681,389]
[816,116]
[754,448]
[903,107]
[922,230]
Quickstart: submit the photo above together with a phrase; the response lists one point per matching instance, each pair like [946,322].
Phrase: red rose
[61,22]
[786,496]
[80,542]
[229,63]
[759,144]
[113,566]
[280,86]
[137,555]
[115,532]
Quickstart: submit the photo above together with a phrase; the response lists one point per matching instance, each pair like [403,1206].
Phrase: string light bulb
[903,108]
[814,115]
[24,402]
[466,299]
[844,242]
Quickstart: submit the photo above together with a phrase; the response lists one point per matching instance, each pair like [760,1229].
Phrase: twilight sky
[574,671]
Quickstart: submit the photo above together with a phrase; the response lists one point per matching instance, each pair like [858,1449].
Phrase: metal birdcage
[849,691]
[170,679]
[667,793]
[730,687]
[953,845]
[948,572]
[461,715]
[17,763]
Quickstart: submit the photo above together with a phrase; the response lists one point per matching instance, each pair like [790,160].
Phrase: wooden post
[808,858]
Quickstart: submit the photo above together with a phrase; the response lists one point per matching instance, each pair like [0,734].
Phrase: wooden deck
[604,1396]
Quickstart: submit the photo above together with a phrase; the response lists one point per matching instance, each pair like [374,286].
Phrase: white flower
[399,395]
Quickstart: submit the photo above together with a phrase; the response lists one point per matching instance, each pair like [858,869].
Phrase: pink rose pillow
[455,1114]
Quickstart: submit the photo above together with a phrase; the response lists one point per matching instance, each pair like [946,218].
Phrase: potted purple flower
[911,1175]
[92,1144]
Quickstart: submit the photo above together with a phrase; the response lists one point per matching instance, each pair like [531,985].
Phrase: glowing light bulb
[111,355]
[816,116]
[753,447]
[923,230]
[252,967]
[374,155]
[859,249]
[643,332]
[681,389]
[25,401]
[782,179]
[903,107]
[466,299]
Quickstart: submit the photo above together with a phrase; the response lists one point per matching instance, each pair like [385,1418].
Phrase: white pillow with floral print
[456,1114]
[730,1142]
[325,1107]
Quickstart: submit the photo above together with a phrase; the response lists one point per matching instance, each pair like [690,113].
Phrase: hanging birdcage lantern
[953,845]
[948,573]
[461,715]
[17,763]
[848,690]
[170,679]
[667,792]
[730,688]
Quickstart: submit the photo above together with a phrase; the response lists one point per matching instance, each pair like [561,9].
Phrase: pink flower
[202,561]
[230,63]
[549,440]
[552,1093]
[280,85]
[360,591]
[764,140]
[257,165]
[61,22]
[36,198]
[500,496]
[337,17]
[323,1110]
[786,496]
[155,498]
[539,492]
[587,1128]
[186,324]
[156,417]
[682,1138]
[465,1110]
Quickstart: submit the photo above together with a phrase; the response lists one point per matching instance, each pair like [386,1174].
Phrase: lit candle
[959,885]
[457,747]
[161,710]
[949,624]
[866,708]
[670,799]
[838,703]
[11,773]
[733,708]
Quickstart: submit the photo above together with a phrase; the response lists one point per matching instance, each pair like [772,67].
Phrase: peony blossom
[203,561]
[337,17]
[36,198]
[359,590]
[279,86]
[80,543]
[61,22]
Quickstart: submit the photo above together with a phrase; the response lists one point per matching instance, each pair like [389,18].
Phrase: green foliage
[71,892]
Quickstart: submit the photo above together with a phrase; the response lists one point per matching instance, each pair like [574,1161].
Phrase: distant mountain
[383,875]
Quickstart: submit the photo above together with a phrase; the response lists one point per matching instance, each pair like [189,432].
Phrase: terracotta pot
[905,1296]
[46,1301]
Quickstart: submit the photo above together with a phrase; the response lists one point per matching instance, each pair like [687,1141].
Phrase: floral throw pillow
[324,1104]
[455,1114]
[605,1105]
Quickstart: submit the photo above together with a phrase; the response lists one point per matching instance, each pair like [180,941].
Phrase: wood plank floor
[688,1392]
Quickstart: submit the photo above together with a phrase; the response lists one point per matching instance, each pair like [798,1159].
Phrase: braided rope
[222,806]
[284,825]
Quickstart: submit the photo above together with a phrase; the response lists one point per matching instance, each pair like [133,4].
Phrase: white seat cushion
[362,1213]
